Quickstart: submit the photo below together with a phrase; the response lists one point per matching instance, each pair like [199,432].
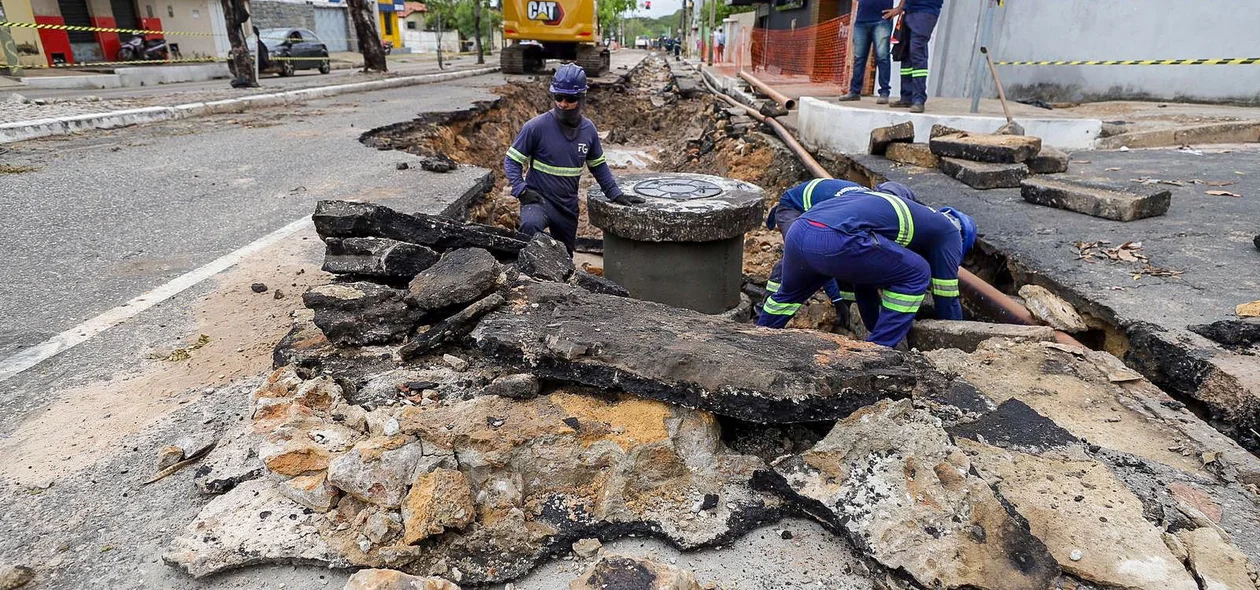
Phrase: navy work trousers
[561,221]
[880,270]
[914,70]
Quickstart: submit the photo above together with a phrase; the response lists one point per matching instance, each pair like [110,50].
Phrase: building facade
[202,18]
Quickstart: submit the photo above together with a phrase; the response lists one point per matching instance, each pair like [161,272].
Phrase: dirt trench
[645,126]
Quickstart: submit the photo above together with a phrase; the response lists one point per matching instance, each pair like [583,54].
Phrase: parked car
[289,50]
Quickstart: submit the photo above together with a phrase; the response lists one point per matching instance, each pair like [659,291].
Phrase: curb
[22,130]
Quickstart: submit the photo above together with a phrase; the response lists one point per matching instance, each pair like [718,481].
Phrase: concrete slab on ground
[1206,238]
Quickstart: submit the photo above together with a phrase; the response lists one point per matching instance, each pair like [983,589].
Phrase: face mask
[570,119]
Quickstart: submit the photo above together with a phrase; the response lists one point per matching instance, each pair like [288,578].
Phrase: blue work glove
[627,199]
[530,197]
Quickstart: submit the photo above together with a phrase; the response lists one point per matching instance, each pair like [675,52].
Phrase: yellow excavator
[551,29]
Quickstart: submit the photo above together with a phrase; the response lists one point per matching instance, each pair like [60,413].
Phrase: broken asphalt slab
[1142,318]
[687,358]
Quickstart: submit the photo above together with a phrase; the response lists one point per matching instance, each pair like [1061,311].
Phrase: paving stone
[938,130]
[1052,309]
[376,257]
[984,175]
[545,258]
[915,154]
[1097,198]
[361,313]
[517,386]
[997,149]
[459,278]
[1048,161]
[889,478]
[348,219]
[558,332]
[967,335]
[882,137]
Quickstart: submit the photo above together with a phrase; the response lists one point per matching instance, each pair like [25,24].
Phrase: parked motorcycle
[138,48]
[387,47]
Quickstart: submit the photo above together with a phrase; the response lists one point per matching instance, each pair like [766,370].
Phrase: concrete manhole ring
[680,207]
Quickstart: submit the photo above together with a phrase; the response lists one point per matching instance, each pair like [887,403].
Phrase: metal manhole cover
[678,189]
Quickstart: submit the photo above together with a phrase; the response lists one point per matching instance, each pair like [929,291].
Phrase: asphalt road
[109,216]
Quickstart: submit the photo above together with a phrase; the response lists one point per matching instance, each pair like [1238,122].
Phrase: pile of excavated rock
[989,161]
[461,404]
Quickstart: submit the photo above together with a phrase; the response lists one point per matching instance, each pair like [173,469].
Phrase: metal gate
[330,25]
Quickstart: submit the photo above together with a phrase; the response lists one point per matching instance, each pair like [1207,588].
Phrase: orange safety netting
[819,53]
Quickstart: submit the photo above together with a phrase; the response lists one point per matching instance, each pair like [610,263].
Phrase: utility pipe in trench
[994,302]
[767,90]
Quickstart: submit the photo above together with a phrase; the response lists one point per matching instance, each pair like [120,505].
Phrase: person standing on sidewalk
[920,18]
[871,28]
[719,44]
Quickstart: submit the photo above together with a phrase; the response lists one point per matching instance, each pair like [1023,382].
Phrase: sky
[659,8]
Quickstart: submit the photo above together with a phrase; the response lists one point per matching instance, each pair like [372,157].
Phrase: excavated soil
[641,115]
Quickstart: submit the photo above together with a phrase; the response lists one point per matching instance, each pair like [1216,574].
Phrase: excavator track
[594,59]
[512,59]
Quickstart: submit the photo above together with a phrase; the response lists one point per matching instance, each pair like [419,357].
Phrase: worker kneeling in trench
[883,244]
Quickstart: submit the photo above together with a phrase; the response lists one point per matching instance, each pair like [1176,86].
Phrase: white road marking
[81,333]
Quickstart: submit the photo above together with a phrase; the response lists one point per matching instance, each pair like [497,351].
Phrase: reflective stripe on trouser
[944,287]
[812,255]
[784,217]
[914,71]
[558,219]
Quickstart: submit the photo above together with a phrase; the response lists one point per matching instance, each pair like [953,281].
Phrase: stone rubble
[528,418]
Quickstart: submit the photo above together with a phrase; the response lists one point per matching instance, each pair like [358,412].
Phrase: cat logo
[550,13]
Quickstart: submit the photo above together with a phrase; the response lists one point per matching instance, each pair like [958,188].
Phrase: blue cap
[966,226]
[570,78]
[896,188]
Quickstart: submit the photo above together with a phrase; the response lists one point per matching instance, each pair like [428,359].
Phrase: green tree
[608,12]
[462,19]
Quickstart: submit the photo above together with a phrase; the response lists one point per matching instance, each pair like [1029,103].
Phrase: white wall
[1100,30]
[426,41]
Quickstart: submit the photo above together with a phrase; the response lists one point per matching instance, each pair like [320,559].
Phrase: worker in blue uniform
[555,146]
[803,197]
[920,18]
[889,247]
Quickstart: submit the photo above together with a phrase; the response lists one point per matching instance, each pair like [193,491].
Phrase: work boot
[881,100]
[916,108]
[850,97]
[901,104]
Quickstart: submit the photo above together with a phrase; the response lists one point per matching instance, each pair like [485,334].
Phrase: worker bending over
[889,247]
[802,198]
[556,145]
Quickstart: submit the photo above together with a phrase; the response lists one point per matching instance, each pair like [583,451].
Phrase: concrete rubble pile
[461,404]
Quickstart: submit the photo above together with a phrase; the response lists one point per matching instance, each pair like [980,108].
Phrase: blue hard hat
[896,188]
[966,226]
[570,78]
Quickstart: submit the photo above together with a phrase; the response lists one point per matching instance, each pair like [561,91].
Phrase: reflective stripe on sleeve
[596,162]
[517,156]
[945,287]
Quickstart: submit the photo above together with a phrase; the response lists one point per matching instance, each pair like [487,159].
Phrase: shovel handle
[998,81]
